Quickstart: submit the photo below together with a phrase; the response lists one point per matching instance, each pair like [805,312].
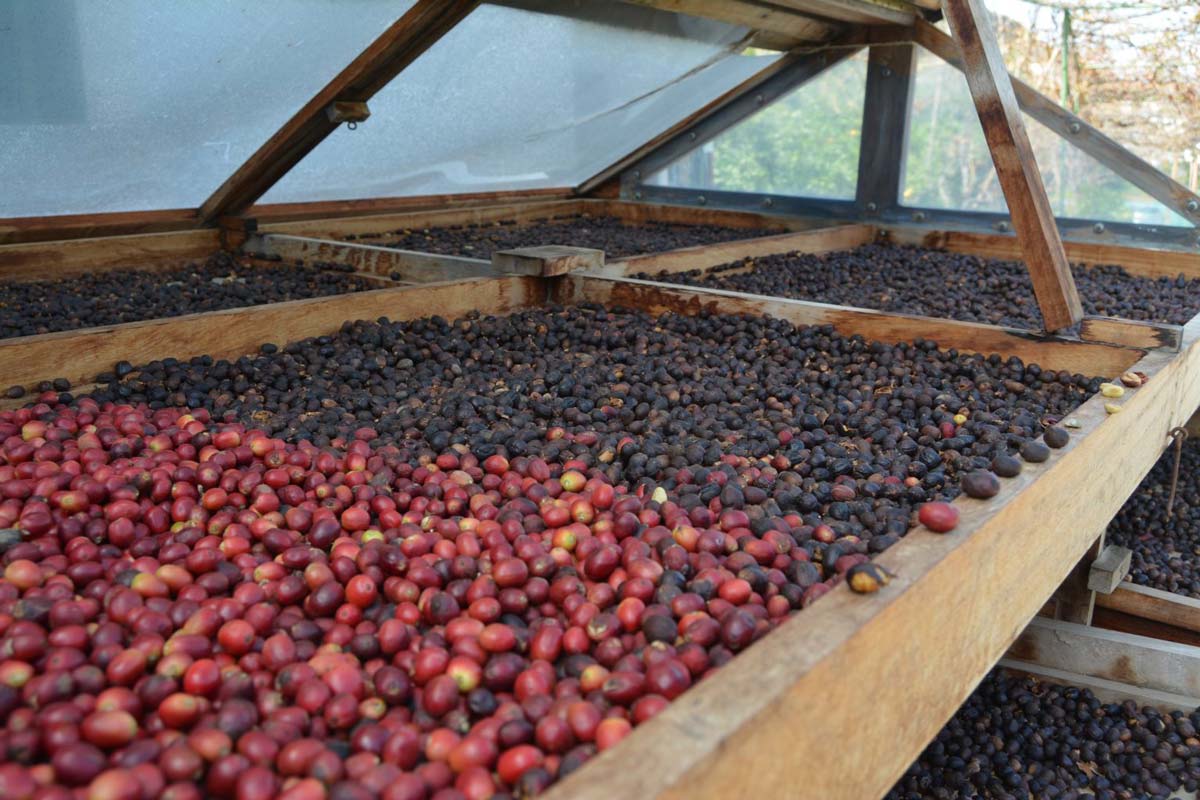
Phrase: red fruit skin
[938,517]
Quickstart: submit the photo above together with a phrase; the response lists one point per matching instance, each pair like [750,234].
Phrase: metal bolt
[1193,206]
[758,99]
[692,136]
[1002,225]
[637,195]
[887,72]
[637,173]
[872,207]
[1075,127]
[1098,227]
[701,199]
[918,216]
[768,201]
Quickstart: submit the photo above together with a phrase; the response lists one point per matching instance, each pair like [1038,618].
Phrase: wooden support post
[890,72]
[1109,569]
[400,45]
[547,260]
[1073,600]
[1016,168]
[234,231]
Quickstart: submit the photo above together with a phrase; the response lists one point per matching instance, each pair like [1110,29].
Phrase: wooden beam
[548,260]
[400,45]
[1106,690]
[1154,604]
[751,14]
[879,674]
[972,337]
[378,226]
[1015,165]
[155,251]
[80,355]
[890,77]
[1074,130]
[1135,660]
[407,265]
[1136,260]
[861,12]
[817,240]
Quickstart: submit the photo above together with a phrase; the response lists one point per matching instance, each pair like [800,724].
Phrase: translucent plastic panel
[806,143]
[113,105]
[948,164]
[513,98]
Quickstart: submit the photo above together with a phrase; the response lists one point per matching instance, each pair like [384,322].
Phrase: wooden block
[1154,604]
[341,111]
[1016,168]
[1109,569]
[547,260]
[1131,333]
[1136,660]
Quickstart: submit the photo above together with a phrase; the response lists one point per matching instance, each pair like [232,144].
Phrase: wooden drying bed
[857,684]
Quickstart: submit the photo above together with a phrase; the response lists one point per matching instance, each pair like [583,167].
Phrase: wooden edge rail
[816,240]
[405,265]
[1172,609]
[1047,351]
[858,680]
[1136,660]
[1107,691]
[1131,333]
[1135,260]
[49,260]
[80,355]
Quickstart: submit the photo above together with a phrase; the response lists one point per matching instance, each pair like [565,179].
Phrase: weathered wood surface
[1154,604]
[1073,601]
[155,251]
[1048,352]
[1109,569]
[1131,333]
[547,260]
[1108,152]
[794,27]
[80,355]
[1016,168]
[1140,626]
[327,209]
[1098,653]
[863,12]
[372,226]
[405,265]
[401,44]
[1136,260]
[817,240]
[891,71]
[958,602]
[1107,691]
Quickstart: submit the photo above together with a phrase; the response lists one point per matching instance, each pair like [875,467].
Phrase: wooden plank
[16,230]
[879,674]
[80,355]
[1135,660]
[155,251]
[1073,601]
[401,44]
[1109,569]
[407,265]
[1106,690]
[1110,619]
[1117,158]
[326,209]
[884,141]
[1132,333]
[818,240]
[758,16]
[1016,167]
[1154,604]
[370,225]
[971,337]
[547,260]
[636,213]
[862,12]
[1147,262]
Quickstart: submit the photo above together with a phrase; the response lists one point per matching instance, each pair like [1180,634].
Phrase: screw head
[1098,227]
[872,207]
[1193,206]
[886,72]
[692,136]
[702,200]
[637,173]
[1075,127]
[768,201]
[758,99]
[637,195]
[918,216]
[1002,225]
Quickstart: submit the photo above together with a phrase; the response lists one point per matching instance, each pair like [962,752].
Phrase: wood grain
[817,240]
[80,355]
[1154,604]
[1136,260]
[1107,691]
[367,227]
[794,26]
[972,337]
[863,12]
[401,44]
[1016,168]
[1074,130]
[406,265]
[1131,333]
[157,251]
[878,674]
[547,260]
[1112,655]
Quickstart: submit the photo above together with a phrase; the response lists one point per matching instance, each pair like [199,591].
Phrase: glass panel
[805,143]
[948,165]
[139,104]
[513,98]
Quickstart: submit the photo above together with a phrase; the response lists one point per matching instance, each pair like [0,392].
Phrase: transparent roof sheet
[948,164]
[114,105]
[805,143]
[514,98]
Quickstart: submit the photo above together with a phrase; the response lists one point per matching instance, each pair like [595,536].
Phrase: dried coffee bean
[1056,437]
[1006,466]
[980,484]
[1035,452]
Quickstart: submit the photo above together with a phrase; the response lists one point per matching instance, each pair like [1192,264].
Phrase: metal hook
[351,126]
[1179,436]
